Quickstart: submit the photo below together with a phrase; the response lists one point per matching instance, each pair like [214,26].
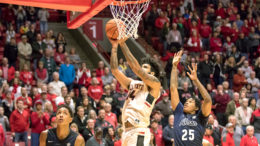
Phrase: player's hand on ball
[193,72]
[122,40]
[114,43]
[177,57]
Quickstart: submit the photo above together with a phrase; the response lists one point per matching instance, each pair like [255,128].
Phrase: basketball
[112,30]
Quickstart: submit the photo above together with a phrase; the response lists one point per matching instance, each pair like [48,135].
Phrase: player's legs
[136,137]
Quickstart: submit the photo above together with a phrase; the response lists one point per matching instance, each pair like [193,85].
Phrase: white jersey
[138,106]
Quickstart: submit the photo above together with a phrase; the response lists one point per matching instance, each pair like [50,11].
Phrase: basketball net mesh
[130,15]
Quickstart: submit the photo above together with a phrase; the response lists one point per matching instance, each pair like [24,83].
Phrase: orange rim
[123,3]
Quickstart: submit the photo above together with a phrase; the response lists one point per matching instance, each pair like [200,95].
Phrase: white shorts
[136,137]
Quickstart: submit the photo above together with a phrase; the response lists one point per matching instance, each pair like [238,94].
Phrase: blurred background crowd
[38,73]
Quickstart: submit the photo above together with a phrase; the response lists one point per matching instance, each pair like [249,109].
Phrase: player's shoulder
[45,132]
[79,141]
[43,137]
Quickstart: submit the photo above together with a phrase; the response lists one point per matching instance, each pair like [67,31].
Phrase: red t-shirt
[95,92]
[209,138]
[26,77]
[228,140]
[159,22]
[205,30]
[118,143]
[111,118]
[19,122]
[2,136]
[158,135]
[215,44]
[248,141]
[39,124]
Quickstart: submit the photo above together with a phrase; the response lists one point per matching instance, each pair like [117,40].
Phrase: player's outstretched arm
[150,80]
[79,141]
[174,80]
[43,138]
[122,79]
[206,106]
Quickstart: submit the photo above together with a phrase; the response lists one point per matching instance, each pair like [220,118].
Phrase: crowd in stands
[39,72]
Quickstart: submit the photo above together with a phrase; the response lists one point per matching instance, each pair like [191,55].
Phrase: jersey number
[187,134]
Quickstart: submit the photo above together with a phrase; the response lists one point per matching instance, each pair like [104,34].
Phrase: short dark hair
[67,107]
[154,65]
[197,102]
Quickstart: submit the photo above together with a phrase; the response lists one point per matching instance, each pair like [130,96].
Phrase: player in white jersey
[142,95]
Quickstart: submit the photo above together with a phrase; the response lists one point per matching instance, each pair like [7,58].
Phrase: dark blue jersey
[188,129]
[52,139]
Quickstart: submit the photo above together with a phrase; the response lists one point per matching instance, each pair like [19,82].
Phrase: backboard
[87,9]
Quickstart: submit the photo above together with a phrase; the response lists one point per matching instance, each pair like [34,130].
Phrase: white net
[130,13]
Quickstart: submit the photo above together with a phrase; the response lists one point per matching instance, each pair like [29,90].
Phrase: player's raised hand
[193,72]
[177,57]
[114,43]
[123,40]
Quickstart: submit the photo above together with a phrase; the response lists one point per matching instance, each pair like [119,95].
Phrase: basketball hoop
[130,13]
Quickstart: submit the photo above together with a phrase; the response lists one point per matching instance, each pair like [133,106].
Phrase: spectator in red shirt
[100,71]
[95,91]
[26,75]
[207,136]
[41,74]
[227,139]
[39,122]
[19,122]
[249,139]
[83,74]
[8,71]
[251,20]
[205,32]
[119,141]
[194,43]
[110,117]
[239,80]
[234,32]
[157,132]
[215,43]
[2,136]
[27,101]
[220,11]
[245,28]
[9,14]
[59,56]
[93,75]
[194,23]
[221,101]
[159,21]
[226,28]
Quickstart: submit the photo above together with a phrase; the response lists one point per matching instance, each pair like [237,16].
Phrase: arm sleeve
[242,142]
[46,119]
[179,110]
[12,122]
[73,74]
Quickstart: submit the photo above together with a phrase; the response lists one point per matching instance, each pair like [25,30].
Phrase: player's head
[64,115]
[192,105]
[150,66]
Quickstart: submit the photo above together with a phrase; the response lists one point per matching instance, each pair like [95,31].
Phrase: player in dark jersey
[189,120]
[62,135]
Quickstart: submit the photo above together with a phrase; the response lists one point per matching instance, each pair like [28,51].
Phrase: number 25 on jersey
[187,135]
